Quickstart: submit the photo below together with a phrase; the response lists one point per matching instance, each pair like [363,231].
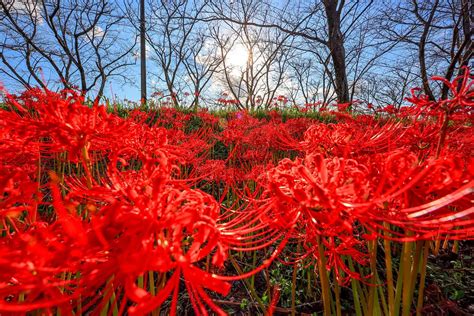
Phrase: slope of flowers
[100,213]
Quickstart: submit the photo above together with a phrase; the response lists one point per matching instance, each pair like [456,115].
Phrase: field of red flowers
[167,211]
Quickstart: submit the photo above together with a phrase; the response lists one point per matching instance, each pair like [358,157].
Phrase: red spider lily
[172,214]
[313,105]
[311,194]
[462,89]
[62,121]
[322,193]
[353,138]
[342,107]
[18,194]
[137,204]
[389,109]
[207,118]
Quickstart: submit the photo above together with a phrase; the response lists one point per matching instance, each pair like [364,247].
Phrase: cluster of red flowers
[91,202]
[227,102]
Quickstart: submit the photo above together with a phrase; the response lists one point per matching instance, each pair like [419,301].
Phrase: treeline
[250,52]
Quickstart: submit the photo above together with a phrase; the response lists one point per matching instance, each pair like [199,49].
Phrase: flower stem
[293,290]
[323,276]
[355,290]
[389,271]
[421,289]
[86,162]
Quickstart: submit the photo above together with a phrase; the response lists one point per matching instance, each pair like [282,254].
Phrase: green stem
[416,265]
[407,279]
[151,283]
[140,281]
[424,261]
[323,276]
[355,290]
[113,303]
[388,266]
[382,297]
[398,290]
[373,269]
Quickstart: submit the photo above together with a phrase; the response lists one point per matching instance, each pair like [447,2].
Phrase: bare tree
[75,43]
[389,89]
[309,82]
[171,41]
[438,31]
[325,23]
[201,61]
[257,80]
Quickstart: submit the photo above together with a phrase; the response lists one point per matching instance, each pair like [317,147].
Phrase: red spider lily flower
[462,90]
[389,109]
[18,194]
[422,101]
[311,193]
[180,230]
[349,246]
[138,206]
[64,122]
[342,107]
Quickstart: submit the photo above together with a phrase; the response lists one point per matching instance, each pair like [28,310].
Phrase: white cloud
[97,32]
[26,7]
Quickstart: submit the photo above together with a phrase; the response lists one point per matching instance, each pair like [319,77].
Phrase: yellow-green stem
[373,269]
[151,283]
[398,290]
[421,289]
[140,281]
[407,278]
[323,276]
[355,290]
[382,296]
[415,266]
[389,271]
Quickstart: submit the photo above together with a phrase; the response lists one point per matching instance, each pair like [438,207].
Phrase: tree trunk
[143,95]
[422,48]
[336,46]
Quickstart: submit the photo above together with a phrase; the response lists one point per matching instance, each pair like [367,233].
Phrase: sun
[238,56]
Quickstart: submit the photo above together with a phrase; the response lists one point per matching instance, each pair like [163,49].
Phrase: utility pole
[142,52]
